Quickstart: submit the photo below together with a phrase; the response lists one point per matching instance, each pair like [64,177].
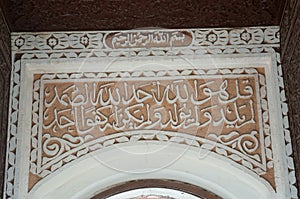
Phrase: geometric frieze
[216,91]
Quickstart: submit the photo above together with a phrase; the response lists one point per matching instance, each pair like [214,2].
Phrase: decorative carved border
[287,134]
[214,38]
[55,46]
[258,166]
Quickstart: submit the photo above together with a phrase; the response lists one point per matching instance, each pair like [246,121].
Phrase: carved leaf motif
[207,146]
[235,157]
[270,164]
[177,139]
[269,153]
[109,142]
[33,155]
[70,158]
[221,151]
[122,139]
[247,164]
[95,147]
[192,142]
[162,137]
[34,142]
[82,152]
[268,141]
[56,166]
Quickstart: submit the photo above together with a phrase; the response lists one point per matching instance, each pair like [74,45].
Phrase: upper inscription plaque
[148,39]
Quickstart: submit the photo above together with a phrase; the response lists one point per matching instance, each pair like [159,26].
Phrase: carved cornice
[211,40]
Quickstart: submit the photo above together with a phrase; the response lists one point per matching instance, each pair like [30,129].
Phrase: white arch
[154,192]
[94,173]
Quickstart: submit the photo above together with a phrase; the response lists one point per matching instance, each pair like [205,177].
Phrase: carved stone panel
[77,112]
[215,91]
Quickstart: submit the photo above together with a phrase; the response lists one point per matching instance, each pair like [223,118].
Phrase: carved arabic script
[187,105]
[149,39]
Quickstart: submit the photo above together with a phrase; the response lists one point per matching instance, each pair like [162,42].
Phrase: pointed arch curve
[87,176]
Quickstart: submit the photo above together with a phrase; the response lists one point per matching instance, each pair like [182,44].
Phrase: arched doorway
[156,189]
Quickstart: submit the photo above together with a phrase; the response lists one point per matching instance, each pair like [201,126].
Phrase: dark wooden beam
[69,15]
[290,53]
[5,68]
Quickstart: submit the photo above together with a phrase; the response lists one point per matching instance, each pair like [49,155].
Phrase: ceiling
[70,15]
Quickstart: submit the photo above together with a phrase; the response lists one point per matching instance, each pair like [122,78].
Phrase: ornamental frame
[30,49]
